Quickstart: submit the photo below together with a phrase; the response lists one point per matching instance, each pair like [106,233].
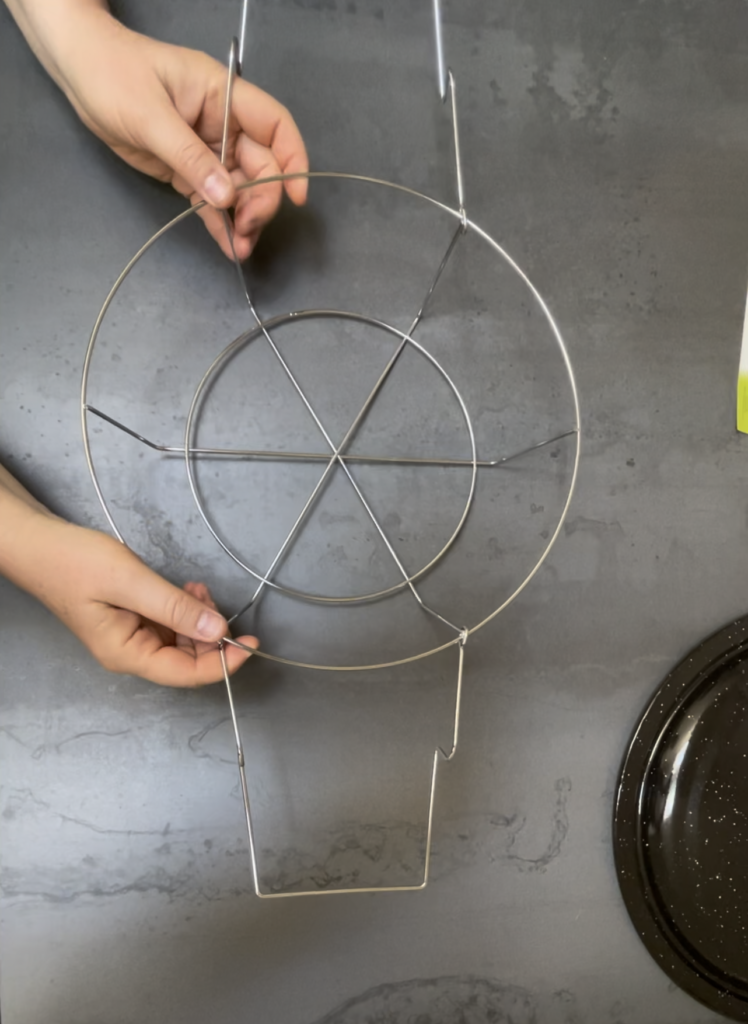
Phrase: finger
[170,666]
[268,123]
[213,220]
[138,589]
[122,643]
[201,592]
[216,226]
[253,238]
[256,205]
[297,188]
[171,139]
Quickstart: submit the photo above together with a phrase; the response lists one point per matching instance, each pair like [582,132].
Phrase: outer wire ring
[469,225]
[249,336]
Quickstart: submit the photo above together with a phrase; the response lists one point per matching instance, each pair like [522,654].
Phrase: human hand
[161,108]
[129,618]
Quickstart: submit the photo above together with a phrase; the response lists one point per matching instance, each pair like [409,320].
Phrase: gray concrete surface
[605,147]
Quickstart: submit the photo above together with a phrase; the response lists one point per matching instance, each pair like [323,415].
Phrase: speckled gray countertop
[605,146]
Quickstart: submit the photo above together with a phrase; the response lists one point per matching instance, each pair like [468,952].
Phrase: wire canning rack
[337,413]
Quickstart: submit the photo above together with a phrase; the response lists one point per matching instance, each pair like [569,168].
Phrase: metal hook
[242,38]
[458,157]
[446,82]
[440,76]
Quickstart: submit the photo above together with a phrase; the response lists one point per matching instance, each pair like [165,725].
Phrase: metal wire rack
[337,457]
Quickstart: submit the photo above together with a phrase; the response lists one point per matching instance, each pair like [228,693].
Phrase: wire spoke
[280,456]
[337,452]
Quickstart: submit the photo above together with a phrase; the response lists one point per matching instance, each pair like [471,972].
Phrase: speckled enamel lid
[681,823]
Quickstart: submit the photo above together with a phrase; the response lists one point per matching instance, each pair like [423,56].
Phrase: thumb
[145,592]
[172,140]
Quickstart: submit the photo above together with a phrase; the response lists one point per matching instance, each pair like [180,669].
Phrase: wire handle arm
[440,754]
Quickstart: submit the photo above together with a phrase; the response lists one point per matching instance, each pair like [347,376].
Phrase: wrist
[27,532]
[60,33]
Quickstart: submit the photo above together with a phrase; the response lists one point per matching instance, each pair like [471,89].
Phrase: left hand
[131,619]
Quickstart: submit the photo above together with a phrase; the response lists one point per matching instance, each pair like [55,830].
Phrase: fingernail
[217,188]
[209,625]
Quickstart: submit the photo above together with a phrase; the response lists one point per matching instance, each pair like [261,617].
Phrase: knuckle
[189,154]
[177,609]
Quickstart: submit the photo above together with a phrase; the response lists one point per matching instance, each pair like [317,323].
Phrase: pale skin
[128,617]
[160,108]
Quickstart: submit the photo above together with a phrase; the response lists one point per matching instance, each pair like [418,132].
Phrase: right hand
[161,108]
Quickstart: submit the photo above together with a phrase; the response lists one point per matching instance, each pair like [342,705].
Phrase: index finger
[266,121]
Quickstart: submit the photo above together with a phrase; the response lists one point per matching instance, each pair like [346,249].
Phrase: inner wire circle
[465,226]
[189,448]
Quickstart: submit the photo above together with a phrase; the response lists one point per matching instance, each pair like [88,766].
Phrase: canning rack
[338,456]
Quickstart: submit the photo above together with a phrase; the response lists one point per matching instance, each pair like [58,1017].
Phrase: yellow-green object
[743,378]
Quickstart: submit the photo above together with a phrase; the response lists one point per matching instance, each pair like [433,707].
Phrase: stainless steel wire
[458,155]
[234,68]
[233,71]
[265,578]
[337,456]
[573,432]
[440,755]
[280,456]
[242,41]
[441,78]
